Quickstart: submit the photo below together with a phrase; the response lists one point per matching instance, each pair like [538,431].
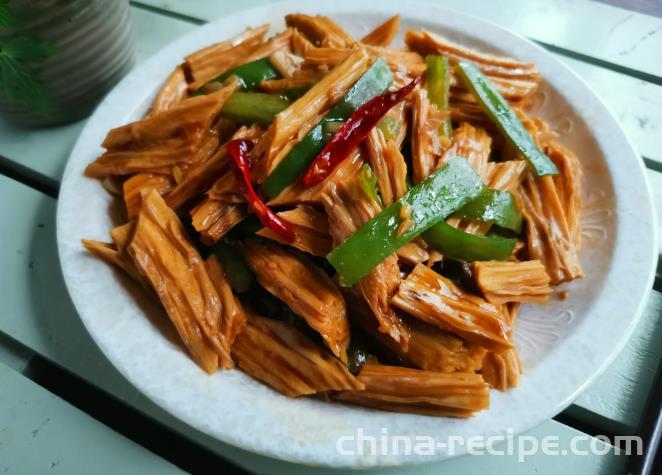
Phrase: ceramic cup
[93,49]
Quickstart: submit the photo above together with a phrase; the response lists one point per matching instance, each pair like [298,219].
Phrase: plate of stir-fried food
[307,219]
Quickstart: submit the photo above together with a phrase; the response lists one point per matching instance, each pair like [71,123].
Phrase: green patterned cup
[69,53]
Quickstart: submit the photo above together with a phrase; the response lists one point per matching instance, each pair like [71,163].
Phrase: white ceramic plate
[565,345]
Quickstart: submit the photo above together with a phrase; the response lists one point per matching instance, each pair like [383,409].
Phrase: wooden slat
[621,37]
[38,313]
[655,180]
[45,150]
[13,354]
[635,103]
[40,433]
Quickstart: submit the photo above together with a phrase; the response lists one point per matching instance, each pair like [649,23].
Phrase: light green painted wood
[40,433]
[13,354]
[618,36]
[635,103]
[36,309]
[46,150]
[153,32]
[38,313]
[655,180]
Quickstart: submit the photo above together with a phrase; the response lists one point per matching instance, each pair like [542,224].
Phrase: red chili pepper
[349,136]
[238,150]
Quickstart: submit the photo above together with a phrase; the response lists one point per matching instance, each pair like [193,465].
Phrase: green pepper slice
[493,206]
[295,163]
[240,276]
[389,126]
[439,84]
[368,181]
[428,203]
[254,107]
[250,75]
[496,107]
[457,244]
[246,228]
[373,82]
[330,129]
[294,93]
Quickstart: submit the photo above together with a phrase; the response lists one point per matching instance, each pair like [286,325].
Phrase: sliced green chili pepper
[295,163]
[294,93]
[368,182]
[239,275]
[330,128]
[460,273]
[457,244]
[423,206]
[496,107]
[254,107]
[373,82]
[251,74]
[493,206]
[246,228]
[389,126]
[439,84]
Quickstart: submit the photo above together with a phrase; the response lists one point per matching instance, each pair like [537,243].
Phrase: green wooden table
[65,409]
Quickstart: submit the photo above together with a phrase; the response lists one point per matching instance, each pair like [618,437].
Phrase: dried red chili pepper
[357,127]
[238,150]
